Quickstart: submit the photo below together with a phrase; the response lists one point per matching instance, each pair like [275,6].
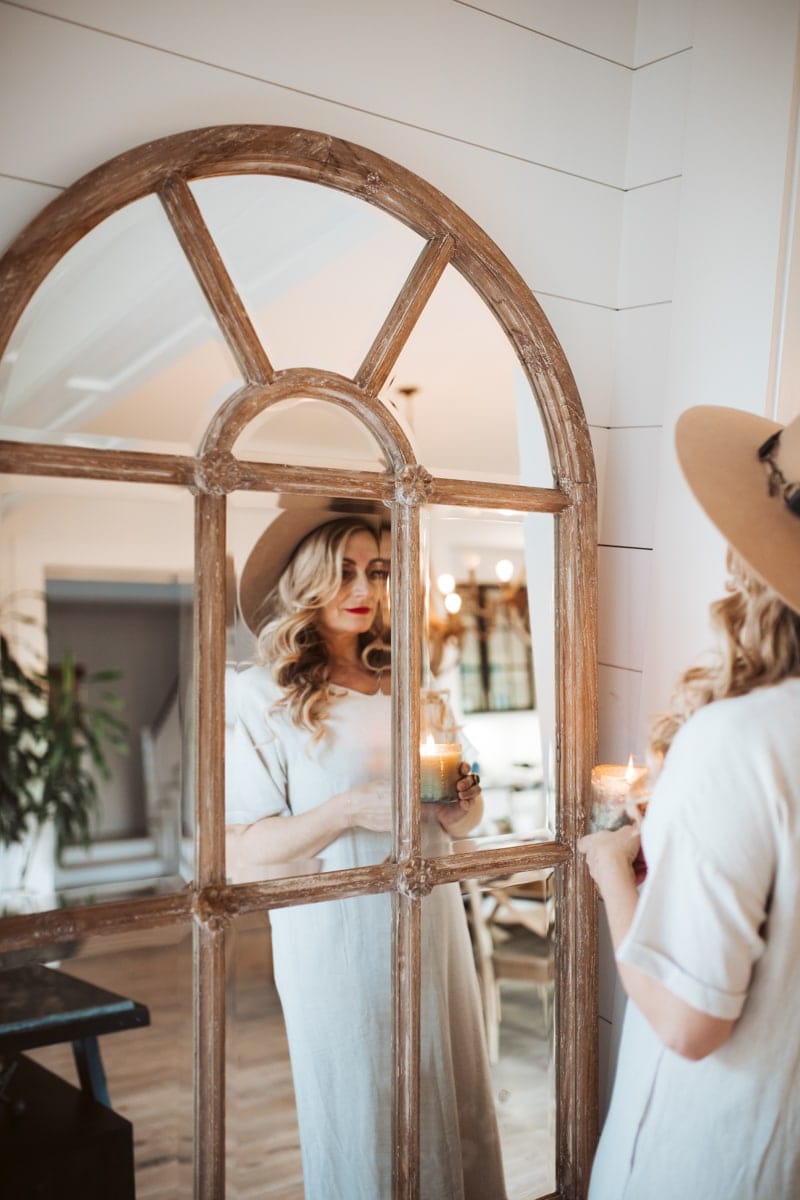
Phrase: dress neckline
[379,691]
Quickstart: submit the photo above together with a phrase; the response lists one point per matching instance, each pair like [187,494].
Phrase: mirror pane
[97,683]
[463,396]
[96,1053]
[490,659]
[309,1051]
[318,270]
[118,347]
[308,715]
[315,433]
[511,931]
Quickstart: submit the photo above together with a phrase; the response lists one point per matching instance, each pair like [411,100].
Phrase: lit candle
[439,763]
[612,787]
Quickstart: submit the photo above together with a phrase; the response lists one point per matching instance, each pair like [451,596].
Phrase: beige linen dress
[333,969]
[718,923]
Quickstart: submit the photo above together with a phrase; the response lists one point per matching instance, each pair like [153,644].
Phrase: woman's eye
[379,573]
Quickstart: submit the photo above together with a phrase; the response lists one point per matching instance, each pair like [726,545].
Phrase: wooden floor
[150,1071]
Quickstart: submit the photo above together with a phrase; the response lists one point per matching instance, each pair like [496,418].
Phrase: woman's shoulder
[742,729]
[776,705]
[253,688]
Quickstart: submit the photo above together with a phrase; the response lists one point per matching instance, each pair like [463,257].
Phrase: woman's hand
[369,807]
[459,818]
[610,854]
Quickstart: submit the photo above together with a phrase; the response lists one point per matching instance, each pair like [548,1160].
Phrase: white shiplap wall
[561,127]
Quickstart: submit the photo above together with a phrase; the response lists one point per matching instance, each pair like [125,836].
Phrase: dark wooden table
[40,1006]
[55,1139]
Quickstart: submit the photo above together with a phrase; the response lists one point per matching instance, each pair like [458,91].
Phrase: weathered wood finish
[209,930]
[403,315]
[245,405]
[231,474]
[166,167]
[406,632]
[218,288]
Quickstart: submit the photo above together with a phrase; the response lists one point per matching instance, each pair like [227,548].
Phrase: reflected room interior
[103,573]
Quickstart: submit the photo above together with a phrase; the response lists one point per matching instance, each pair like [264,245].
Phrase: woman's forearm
[682,1028]
[275,840]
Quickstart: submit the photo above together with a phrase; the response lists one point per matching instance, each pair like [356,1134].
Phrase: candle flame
[429,742]
[630,772]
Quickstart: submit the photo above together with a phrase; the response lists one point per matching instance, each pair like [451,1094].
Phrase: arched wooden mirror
[200,332]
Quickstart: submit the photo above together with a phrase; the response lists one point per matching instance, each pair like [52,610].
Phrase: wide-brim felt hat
[297,518]
[746,494]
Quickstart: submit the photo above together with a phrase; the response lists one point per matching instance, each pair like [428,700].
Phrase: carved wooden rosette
[166,168]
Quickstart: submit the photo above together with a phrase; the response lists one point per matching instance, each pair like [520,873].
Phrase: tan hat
[272,553]
[745,472]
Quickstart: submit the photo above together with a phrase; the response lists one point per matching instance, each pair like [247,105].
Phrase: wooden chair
[511,921]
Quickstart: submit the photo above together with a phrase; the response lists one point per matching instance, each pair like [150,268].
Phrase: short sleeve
[255,756]
[710,864]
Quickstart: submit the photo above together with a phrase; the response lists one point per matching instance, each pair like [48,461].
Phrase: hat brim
[274,549]
[718,452]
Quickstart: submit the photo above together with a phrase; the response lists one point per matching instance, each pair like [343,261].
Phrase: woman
[308,787]
[705,1099]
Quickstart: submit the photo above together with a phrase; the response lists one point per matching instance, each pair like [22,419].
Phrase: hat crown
[744,470]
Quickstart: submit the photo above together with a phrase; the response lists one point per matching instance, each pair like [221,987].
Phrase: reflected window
[118,347]
[495,667]
[316,268]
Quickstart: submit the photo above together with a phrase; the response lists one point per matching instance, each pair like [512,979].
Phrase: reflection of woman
[705,1100]
[308,776]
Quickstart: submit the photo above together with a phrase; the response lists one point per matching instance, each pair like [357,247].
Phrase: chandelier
[460,611]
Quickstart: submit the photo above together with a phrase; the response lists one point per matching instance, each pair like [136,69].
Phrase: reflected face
[364,574]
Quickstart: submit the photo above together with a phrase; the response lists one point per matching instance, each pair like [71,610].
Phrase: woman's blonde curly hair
[290,643]
[760,645]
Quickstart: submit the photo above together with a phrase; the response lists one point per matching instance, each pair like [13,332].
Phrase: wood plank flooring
[150,1070]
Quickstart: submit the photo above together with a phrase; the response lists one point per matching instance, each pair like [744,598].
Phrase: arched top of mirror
[452,242]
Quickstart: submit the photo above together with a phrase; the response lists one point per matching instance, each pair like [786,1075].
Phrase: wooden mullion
[76,462]
[515,496]
[404,314]
[75,924]
[218,287]
[476,864]
[314,481]
[406,937]
[406,639]
[209,933]
[464,493]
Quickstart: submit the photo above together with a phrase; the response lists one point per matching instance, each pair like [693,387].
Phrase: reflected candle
[438,775]
[612,785]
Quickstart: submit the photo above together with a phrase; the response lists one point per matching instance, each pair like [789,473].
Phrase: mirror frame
[166,167]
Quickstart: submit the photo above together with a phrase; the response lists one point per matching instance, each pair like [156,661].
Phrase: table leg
[90,1069]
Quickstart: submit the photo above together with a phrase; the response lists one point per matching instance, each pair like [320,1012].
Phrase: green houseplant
[53,748]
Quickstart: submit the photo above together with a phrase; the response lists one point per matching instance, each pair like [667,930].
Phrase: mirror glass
[118,347]
[95,1037]
[490,655]
[309,1046]
[313,433]
[317,269]
[97,612]
[511,931]
[293,747]
[462,394]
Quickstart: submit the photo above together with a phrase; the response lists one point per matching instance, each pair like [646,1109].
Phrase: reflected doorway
[142,829]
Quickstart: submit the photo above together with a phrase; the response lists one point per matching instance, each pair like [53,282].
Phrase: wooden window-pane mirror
[546,471]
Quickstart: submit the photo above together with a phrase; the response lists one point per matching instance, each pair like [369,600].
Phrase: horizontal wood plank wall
[542,167]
